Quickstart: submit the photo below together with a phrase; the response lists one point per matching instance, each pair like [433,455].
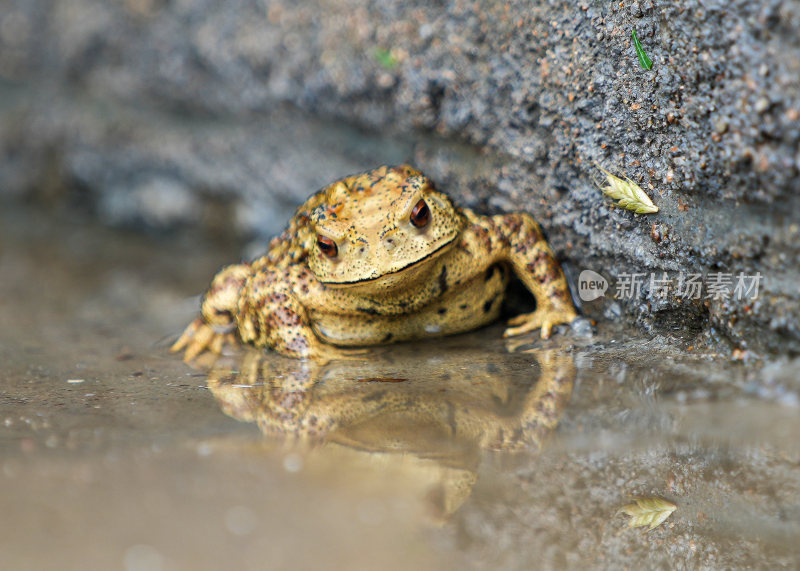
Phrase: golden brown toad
[376,258]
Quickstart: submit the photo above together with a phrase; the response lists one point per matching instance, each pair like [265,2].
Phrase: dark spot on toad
[443,280]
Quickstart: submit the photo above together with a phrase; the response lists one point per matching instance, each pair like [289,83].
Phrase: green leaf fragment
[644,61]
[627,194]
[648,512]
[385,58]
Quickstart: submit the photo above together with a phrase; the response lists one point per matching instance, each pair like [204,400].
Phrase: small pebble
[762,105]
[582,327]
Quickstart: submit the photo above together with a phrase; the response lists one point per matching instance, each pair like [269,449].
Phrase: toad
[376,258]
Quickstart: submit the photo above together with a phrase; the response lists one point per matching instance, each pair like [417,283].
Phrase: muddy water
[114,454]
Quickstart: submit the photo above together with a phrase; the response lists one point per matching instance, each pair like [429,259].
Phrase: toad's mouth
[410,266]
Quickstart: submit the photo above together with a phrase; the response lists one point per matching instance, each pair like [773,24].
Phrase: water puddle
[431,409]
[115,454]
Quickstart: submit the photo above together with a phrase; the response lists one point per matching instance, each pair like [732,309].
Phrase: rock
[247,107]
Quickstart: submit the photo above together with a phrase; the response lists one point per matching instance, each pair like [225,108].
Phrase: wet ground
[114,454]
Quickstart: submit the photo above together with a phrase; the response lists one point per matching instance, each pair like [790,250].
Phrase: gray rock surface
[160,114]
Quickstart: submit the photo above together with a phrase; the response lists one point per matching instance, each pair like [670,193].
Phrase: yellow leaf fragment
[627,193]
[648,511]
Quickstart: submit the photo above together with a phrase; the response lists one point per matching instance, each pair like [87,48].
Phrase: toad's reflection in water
[441,411]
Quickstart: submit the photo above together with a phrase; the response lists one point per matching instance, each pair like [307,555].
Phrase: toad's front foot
[199,337]
[544,318]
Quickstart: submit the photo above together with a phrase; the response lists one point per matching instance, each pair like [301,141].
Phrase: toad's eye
[327,246]
[420,215]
